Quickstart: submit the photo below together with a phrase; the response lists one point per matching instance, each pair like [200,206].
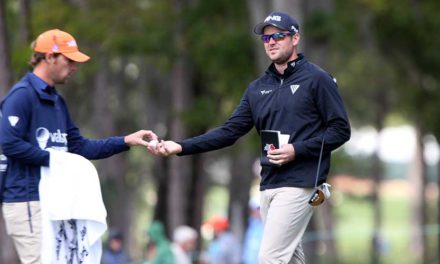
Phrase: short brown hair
[36,58]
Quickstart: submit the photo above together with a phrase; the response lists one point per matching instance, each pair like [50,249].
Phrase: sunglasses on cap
[276,36]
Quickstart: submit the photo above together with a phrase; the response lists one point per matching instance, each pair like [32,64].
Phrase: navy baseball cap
[279,20]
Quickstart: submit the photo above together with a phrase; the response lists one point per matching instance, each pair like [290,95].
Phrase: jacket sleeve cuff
[121,143]
[46,159]
[185,148]
[299,149]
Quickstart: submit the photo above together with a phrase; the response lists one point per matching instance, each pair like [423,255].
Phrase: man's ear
[49,57]
[296,39]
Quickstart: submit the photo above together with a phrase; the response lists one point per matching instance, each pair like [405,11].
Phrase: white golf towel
[72,211]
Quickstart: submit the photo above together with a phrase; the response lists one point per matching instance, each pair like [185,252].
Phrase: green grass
[354,230]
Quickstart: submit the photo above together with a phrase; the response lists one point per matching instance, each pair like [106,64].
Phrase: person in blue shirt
[253,234]
[34,117]
[296,98]
[114,253]
[225,248]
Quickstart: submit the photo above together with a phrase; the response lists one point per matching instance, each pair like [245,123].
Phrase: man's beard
[282,59]
[61,80]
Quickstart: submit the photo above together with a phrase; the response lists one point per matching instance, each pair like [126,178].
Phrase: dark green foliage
[408,32]
[219,43]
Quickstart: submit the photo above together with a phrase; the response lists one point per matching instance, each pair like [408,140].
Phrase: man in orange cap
[34,117]
[225,247]
[56,56]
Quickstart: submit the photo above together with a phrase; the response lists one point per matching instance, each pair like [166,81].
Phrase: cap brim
[77,56]
[259,28]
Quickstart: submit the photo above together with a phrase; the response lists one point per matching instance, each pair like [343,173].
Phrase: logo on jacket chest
[264,92]
[294,88]
[43,135]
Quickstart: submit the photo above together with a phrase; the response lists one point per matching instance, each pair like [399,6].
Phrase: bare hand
[141,137]
[166,148]
[282,155]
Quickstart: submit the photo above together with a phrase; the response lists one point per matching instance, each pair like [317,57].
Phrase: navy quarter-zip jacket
[35,117]
[305,103]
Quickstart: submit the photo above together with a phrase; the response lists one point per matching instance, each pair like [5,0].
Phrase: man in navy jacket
[296,98]
[35,117]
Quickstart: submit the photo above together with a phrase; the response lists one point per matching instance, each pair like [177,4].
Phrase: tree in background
[7,253]
[406,32]
[5,64]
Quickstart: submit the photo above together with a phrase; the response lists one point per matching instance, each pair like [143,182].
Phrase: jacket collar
[292,66]
[43,90]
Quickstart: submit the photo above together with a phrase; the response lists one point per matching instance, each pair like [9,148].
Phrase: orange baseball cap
[218,223]
[57,41]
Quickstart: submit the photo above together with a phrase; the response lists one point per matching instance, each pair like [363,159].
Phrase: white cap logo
[276,18]
[55,48]
[71,43]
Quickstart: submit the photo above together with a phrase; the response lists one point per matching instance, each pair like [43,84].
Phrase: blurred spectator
[253,235]
[159,247]
[225,247]
[184,244]
[150,252]
[114,252]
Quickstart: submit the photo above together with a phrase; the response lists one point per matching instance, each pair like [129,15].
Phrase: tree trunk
[119,194]
[416,203]
[5,63]
[239,186]
[7,251]
[438,206]
[180,168]
[316,50]
[197,195]
[258,10]
[377,173]
[25,24]
[382,109]
[417,178]
[155,118]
